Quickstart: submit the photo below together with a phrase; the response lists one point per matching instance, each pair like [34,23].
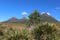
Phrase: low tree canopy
[34,18]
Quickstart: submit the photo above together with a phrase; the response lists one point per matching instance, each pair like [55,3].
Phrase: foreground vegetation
[32,30]
[42,31]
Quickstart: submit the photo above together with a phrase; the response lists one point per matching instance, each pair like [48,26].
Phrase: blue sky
[20,8]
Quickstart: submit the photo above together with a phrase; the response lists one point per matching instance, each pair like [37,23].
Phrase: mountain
[15,20]
[44,18]
[47,18]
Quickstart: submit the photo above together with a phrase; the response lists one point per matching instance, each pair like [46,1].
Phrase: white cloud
[43,12]
[24,13]
[48,13]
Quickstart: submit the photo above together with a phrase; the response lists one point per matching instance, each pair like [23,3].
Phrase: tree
[34,18]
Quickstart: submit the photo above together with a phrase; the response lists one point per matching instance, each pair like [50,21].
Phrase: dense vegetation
[43,31]
[32,30]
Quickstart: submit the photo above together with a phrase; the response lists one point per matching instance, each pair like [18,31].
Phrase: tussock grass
[17,31]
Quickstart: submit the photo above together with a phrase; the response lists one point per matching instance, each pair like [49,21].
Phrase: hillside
[15,20]
[44,18]
[48,18]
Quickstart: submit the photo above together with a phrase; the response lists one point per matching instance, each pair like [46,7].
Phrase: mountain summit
[47,18]
[44,18]
[13,19]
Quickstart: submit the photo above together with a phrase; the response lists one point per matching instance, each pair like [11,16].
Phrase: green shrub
[44,31]
[15,34]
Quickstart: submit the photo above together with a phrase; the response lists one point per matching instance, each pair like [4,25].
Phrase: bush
[44,31]
[15,34]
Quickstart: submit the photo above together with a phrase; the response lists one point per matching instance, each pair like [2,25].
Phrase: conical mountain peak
[13,18]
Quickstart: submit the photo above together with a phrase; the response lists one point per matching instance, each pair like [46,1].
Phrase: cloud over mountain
[45,13]
[24,13]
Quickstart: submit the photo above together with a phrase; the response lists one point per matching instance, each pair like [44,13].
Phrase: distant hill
[47,18]
[44,18]
[15,20]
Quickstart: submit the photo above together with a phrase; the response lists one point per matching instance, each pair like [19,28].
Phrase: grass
[18,31]
[13,25]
